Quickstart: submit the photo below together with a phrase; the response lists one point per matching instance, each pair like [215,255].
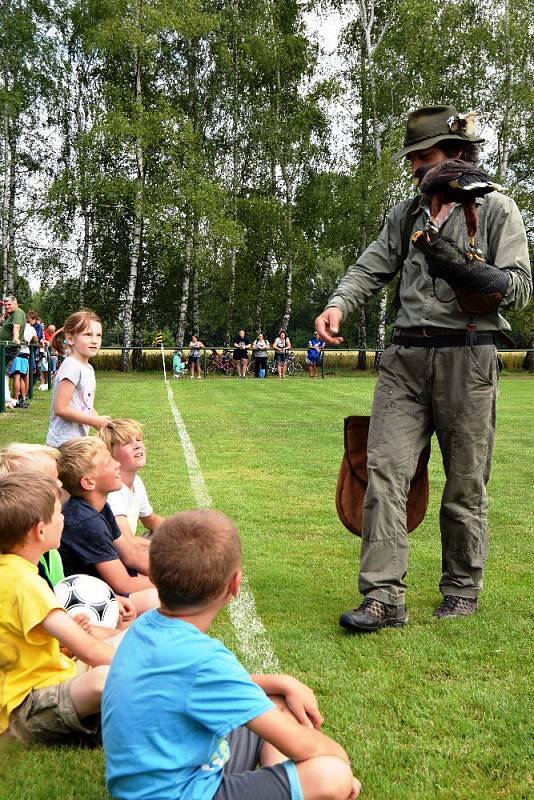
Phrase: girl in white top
[282,346]
[71,409]
[260,349]
[195,354]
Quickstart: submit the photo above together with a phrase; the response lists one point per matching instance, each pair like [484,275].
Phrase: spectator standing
[11,330]
[195,353]
[241,345]
[282,346]
[49,333]
[260,349]
[313,356]
[39,331]
[20,366]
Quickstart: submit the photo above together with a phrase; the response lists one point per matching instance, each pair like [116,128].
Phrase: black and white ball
[85,594]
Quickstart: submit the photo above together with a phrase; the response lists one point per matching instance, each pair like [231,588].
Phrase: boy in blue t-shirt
[182,718]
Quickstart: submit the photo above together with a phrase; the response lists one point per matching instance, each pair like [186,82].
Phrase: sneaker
[23,403]
[43,387]
[454,606]
[373,615]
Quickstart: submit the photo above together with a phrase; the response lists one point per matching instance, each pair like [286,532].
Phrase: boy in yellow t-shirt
[41,697]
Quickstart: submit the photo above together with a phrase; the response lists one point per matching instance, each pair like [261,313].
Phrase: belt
[441,337]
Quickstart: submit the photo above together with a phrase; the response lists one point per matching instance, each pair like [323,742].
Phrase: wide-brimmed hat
[428,126]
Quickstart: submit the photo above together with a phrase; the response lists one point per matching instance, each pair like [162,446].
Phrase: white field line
[253,639]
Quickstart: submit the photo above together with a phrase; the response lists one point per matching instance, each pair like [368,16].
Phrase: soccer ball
[85,594]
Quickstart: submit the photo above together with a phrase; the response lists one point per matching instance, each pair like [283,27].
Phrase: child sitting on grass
[92,543]
[198,724]
[124,440]
[43,459]
[42,697]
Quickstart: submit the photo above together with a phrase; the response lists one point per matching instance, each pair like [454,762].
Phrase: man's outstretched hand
[327,325]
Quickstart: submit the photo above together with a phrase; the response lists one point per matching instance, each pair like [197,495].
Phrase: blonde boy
[42,699]
[92,543]
[124,440]
[42,458]
[209,723]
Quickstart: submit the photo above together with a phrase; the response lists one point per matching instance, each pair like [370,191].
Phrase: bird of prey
[453,181]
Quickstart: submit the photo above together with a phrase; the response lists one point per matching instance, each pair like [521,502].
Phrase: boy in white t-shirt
[124,440]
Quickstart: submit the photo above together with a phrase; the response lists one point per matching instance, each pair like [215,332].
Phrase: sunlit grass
[437,710]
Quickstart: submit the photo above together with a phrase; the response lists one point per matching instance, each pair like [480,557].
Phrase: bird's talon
[474,253]
[417,235]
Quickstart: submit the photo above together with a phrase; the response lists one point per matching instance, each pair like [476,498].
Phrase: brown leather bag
[352,480]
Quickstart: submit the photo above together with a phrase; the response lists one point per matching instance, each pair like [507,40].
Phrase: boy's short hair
[18,514]
[77,458]
[192,556]
[20,455]
[120,431]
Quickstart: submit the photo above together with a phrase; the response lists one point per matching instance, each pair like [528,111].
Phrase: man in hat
[439,375]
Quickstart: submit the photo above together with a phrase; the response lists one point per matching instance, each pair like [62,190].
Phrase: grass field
[440,709]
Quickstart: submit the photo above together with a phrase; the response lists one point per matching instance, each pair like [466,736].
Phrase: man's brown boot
[373,615]
[454,606]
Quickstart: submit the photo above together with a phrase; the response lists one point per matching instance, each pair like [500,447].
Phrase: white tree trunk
[371,41]
[503,148]
[81,128]
[381,330]
[182,314]
[362,340]
[289,297]
[10,260]
[85,255]
[5,208]
[195,308]
[135,251]
[230,319]
[264,276]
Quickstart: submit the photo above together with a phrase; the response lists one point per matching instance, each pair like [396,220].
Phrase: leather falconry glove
[479,287]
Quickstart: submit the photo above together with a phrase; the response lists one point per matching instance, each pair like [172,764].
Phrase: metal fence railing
[6,350]
[334,361]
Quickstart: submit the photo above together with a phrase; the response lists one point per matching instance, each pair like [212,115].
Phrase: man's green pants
[451,391]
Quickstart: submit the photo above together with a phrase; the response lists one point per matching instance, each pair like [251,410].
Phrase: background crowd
[19,330]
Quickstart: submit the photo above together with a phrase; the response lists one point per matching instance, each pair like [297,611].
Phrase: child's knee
[97,677]
[325,778]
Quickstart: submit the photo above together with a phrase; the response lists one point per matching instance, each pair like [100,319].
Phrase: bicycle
[221,365]
[293,366]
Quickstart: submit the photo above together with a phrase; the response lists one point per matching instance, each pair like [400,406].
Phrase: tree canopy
[176,166]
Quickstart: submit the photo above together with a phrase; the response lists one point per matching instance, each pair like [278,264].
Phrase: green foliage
[234,121]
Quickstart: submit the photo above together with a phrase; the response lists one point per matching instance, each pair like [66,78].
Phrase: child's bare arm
[299,698]
[279,730]
[79,642]
[128,534]
[114,573]
[151,521]
[130,551]
[63,409]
